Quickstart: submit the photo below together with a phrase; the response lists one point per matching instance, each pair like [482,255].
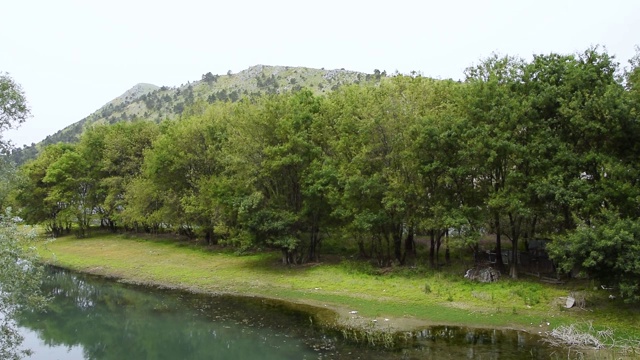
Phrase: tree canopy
[520,150]
[20,274]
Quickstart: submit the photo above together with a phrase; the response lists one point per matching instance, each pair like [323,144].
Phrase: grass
[398,298]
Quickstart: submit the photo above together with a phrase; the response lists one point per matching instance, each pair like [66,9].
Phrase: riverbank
[398,299]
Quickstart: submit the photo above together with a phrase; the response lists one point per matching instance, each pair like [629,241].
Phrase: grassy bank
[399,298]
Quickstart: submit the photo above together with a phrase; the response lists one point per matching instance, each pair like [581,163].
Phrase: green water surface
[96,318]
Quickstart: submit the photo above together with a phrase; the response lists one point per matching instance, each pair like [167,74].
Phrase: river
[95,318]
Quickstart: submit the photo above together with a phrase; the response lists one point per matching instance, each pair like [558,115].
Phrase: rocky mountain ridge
[157,103]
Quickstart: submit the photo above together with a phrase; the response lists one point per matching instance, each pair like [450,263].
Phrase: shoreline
[327,291]
[388,333]
[328,315]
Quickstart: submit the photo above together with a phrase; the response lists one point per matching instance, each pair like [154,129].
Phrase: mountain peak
[138,90]
[154,103]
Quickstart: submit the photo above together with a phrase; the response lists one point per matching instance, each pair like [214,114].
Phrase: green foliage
[153,103]
[530,294]
[20,272]
[36,207]
[358,267]
[14,109]
[427,288]
[20,275]
[608,249]
[520,149]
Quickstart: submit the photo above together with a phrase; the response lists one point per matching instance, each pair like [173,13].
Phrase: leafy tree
[607,249]
[121,163]
[179,164]
[434,170]
[8,182]
[209,78]
[368,142]
[495,108]
[20,272]
[358,155]
[14,109]
[74,186]
[36,207]
[144,206]
[273,150]
[20,276]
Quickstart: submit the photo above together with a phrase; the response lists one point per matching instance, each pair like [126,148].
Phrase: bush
[608,249]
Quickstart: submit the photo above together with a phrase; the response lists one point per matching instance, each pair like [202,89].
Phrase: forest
[546,148]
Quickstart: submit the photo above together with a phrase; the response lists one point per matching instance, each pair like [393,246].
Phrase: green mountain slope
[147,101]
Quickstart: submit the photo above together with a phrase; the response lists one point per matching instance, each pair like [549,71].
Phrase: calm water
[94,318]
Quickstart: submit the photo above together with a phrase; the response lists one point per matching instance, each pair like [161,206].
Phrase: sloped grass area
[399,298]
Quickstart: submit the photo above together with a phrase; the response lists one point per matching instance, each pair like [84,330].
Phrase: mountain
[147,101]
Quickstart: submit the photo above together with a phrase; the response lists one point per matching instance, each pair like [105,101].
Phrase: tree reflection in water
[101,319]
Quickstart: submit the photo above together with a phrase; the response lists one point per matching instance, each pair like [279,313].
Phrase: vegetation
[396,297]
[384,173]
[150,102]
[20,274]
[523,150]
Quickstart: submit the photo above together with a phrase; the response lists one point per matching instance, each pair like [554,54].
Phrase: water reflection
[108,320]
[93,318]
[481,343]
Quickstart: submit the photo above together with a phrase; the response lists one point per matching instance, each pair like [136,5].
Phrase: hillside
[147,101]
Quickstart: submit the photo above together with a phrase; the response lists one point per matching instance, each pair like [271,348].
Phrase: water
[94,318]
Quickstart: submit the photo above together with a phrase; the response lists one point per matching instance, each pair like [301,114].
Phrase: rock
[570,302]
[487,274]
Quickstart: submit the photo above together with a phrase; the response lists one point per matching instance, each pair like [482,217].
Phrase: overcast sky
[72,57]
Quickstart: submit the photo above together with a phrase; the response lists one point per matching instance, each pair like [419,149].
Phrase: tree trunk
[313,244]
[397,243]
[447,254]
[438,243]
[499,263]
[409,246]
[432,248]
[513,268]
[363,251]
[515,236]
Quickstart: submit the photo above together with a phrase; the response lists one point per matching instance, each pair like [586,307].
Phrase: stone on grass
[486,274]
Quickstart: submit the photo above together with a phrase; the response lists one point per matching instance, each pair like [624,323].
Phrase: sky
[72,57]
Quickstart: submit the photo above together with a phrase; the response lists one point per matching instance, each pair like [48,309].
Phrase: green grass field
[398,298]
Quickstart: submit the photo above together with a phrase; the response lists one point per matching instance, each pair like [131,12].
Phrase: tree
[13,106]
[607,249]
[273,150]
[209,78]
[120,163]
[32,198]
[74,184]
[20,276]
[8,182]
[20,272]
[181,165]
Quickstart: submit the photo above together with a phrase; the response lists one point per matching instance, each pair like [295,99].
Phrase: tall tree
[121,162]
[20,272]
[74,186]
[179,164]
[502,139]
[272,150]
[36,207]
[14,109]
